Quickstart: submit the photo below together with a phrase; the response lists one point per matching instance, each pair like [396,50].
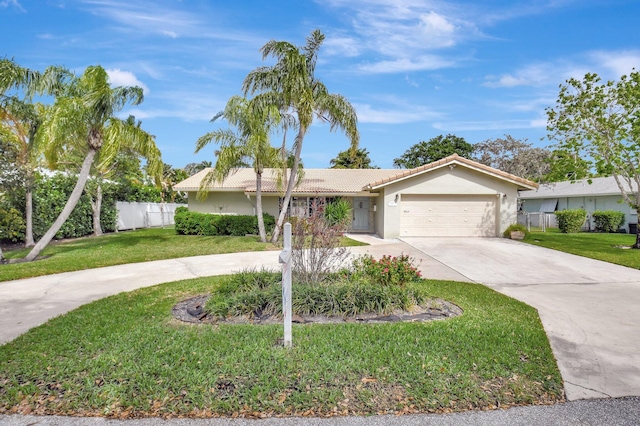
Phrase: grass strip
[612,248]
[128,247]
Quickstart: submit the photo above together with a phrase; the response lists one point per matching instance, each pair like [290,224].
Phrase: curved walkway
[29,302]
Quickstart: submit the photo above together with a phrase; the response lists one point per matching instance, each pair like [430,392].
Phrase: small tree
[600,124]
[316,247]
[433,150]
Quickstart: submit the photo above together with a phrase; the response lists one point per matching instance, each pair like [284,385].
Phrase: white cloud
[147,17]
[344,46]
[617,62]
[367,114]
[607,64]
[117,77]
[14,3]
[426,62]
[459,126]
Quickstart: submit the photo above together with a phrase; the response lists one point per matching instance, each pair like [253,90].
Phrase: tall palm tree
[248,146]
[292,86]
[23,118]
[84,116]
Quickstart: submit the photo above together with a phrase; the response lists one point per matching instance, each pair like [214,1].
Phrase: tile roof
[580,188]
[338,181]
[315,181]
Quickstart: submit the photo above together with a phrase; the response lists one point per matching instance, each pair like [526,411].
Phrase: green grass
[128,247]
[594,245]
[125,356]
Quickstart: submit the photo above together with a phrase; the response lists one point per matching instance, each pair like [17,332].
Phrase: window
[304,206]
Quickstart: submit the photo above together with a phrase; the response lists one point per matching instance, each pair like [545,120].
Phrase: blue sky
[413,69]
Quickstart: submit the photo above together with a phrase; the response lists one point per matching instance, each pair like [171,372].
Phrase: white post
[285,259]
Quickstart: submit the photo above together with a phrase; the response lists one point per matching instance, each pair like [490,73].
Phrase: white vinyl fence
[538,220]
[145,215]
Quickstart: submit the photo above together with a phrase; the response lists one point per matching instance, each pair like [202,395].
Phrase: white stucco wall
[445,181]
[232,203]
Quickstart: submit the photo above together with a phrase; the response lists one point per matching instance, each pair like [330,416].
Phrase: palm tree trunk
[28,236]
[1,256]
[261,230]
[96,206]
[68,207]
[290,185]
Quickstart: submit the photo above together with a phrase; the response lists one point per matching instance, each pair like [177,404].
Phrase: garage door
[448,216]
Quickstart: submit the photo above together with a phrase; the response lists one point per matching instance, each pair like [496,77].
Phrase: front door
[360,214]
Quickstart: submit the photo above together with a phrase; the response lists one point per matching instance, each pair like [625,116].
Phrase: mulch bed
[192,311]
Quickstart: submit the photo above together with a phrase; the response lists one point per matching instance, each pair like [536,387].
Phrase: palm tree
[23,119]
[291,85]
[83,118]
[249,146]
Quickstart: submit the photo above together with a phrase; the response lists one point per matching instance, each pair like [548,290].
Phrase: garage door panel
[460,215]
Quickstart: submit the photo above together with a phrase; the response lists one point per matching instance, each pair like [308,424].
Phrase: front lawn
[125,356]
[595,245]
[128,247]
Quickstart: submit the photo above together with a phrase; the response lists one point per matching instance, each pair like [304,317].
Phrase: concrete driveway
[589,309]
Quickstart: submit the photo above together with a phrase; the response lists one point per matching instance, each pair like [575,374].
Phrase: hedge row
[194,223]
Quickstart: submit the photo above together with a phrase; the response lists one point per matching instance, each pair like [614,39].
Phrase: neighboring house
[450,197]
[601,194]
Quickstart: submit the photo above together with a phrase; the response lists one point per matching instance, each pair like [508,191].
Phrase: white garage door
[448,216]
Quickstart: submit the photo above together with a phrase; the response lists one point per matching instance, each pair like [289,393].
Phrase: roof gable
[452,161]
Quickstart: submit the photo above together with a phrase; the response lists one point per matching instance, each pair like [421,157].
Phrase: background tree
[248,146]
[193,168]
[169,178]
[514,156]
[433,150]
[352,159]
[599,123]
[84,116]
[291,85]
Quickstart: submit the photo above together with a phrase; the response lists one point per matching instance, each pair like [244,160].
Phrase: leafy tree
[84,116]
[599,123]
[193,168]
[248,146]
[352,159]
[291,85]
[433,150]
[514,156]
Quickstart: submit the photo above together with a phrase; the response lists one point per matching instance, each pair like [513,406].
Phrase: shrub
[608,220]
[12,226]
[316,247]
[195,223]
[387,271]
[513,228]
[338,212]
[571,221]
[259,292]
